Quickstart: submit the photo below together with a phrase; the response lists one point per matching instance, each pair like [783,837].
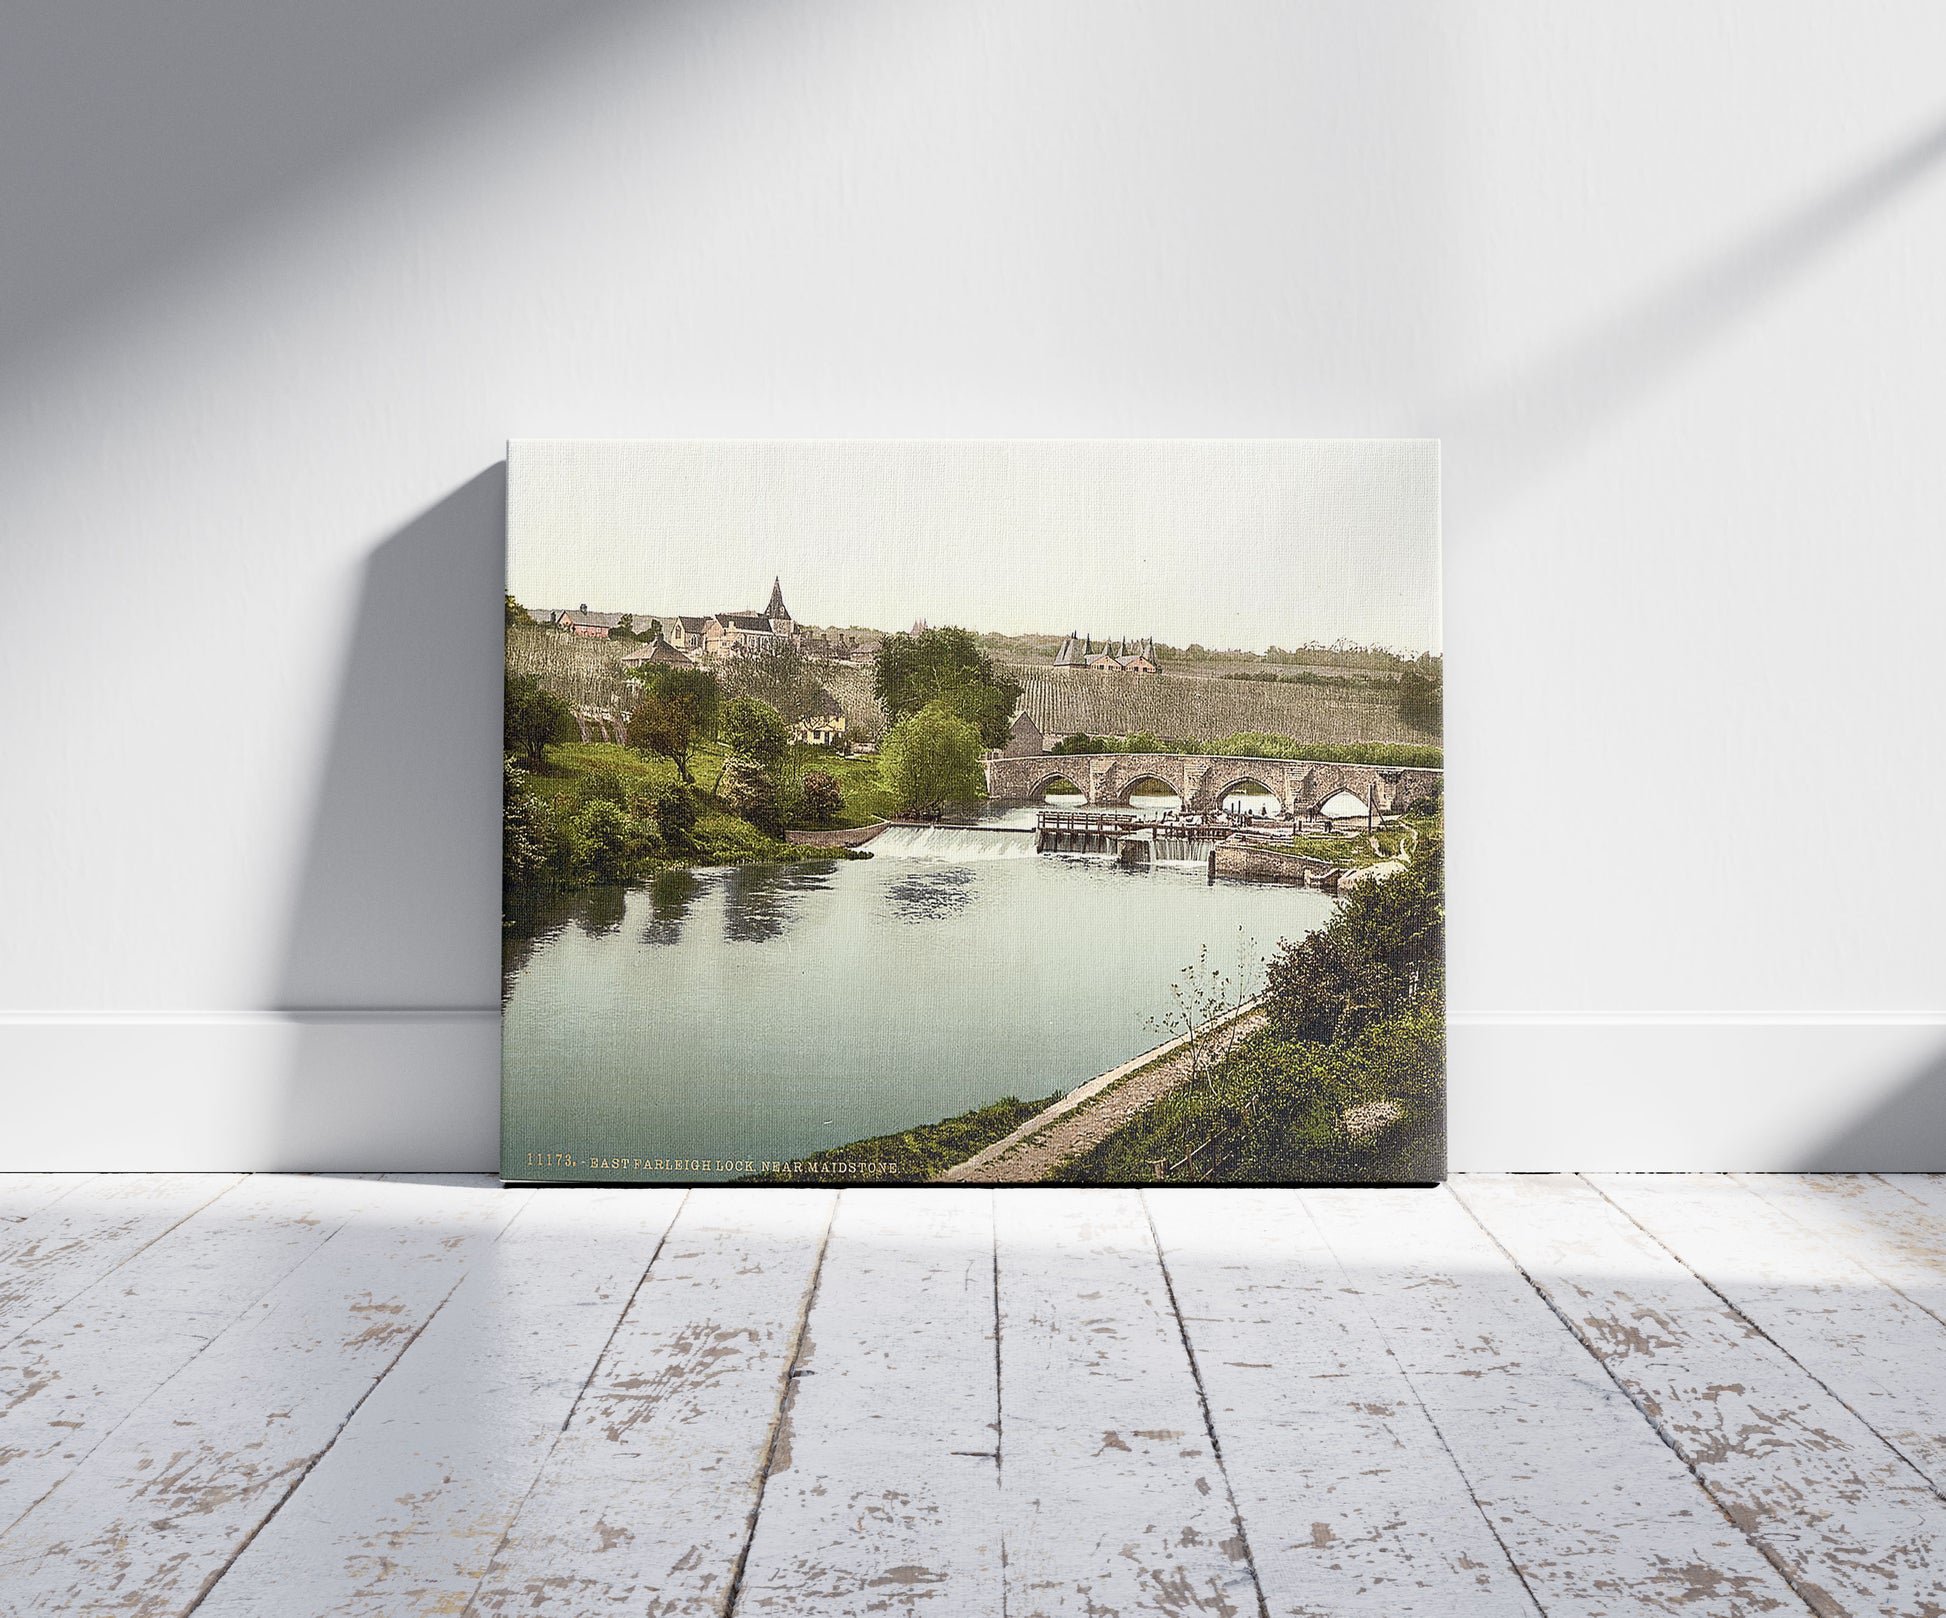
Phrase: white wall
[279,282]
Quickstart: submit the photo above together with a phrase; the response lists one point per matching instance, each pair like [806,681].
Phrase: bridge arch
[1056,781]
[1151,786]
[1254,786]
[1346,804]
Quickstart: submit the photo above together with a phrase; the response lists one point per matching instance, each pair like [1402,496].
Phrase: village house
[824,726]
[580,621]
[657,651]
[1024,739]
[685,633]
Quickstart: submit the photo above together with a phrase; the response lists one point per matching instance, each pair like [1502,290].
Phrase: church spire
[777,609]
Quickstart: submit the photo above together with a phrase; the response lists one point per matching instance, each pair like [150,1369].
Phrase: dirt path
[1087,1115]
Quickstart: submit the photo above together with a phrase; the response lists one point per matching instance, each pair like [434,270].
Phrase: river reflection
[765,1012]
[761,901]
[930,895]
[670,894]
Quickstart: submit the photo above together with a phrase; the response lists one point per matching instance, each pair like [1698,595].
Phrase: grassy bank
[1276,1112]
[912,1155]
[1366,847]
[575,772]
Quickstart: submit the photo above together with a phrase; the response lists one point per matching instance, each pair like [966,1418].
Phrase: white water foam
[955,843]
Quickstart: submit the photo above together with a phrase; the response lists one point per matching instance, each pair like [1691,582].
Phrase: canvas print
[976,813]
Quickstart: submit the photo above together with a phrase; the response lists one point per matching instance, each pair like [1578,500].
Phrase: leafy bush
[672,810]
[823,798]
[748,790]
[1267,744]
[606,786]
[1386,942]
[526,836]
[610,840]
[1422,698]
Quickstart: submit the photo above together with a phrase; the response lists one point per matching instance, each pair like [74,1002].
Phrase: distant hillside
[1066,702]
[580,669]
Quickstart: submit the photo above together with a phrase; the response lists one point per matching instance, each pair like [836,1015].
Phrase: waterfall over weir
[952,843]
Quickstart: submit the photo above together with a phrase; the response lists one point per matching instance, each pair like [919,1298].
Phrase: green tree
[532,716]
[663,729]
[823,798]
[930,759]
[677,712]
[778,675]
[946,667]
[1422,699]
[516,613]
[754,731]
[624,627]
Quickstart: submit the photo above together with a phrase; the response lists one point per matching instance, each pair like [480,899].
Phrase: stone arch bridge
[1203,781]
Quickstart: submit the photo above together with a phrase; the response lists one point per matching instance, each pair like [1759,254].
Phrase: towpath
[1088,1114]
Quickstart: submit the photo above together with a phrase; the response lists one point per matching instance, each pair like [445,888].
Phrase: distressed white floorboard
[345,1396]
[1877,1352]
[22,1194]
[1350,1501]
[1894,1224]
[646,1503]
[403,1514]
[1599,1516]
[69,1380]
[1856,1528]
[883,1494]
[154,1514]
[64,1246]
[1113,1499]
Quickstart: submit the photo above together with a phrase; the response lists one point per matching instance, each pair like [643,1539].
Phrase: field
[1063,702]
[1066,702]
[581,671]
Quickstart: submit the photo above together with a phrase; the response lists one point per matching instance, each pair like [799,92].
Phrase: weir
[957,843]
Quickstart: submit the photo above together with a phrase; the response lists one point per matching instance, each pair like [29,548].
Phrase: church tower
[778,614]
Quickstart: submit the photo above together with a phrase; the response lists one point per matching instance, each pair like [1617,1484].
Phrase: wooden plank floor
[1523,1395]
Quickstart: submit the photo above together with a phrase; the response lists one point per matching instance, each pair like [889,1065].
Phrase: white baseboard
[420,1090]
[251,1090]
[1758,1093]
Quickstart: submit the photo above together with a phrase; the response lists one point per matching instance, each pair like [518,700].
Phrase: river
[763,1012]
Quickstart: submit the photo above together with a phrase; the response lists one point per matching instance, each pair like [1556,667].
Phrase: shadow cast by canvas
[391,953]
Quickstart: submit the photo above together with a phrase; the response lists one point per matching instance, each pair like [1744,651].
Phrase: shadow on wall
[391,966]
[1907,1132]
[1512,434]
[133,142]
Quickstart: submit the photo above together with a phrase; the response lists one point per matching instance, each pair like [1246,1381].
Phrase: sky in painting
[1243,543]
